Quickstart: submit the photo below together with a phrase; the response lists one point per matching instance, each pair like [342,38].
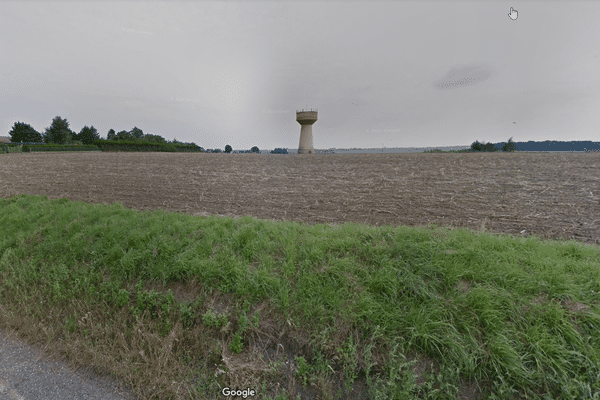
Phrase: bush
[134,145]
[13,148]
[36,147]
[188,147]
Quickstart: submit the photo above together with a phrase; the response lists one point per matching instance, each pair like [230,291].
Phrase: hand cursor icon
[513,14]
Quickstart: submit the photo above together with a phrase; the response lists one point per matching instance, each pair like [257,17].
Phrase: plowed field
[552,195]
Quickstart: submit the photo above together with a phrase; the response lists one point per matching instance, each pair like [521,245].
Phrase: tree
[136,133]
[88,135]
[255,149]
[509,146]
[228,149]
[489,147]
[476,146]
[154,138]
[58,132]
[22,132]
[123,135]
[111,135]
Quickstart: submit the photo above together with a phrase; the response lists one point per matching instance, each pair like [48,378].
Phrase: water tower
[306,118]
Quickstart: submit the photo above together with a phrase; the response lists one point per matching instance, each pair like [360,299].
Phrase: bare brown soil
[551,195]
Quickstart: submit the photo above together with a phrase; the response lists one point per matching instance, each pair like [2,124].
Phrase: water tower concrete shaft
[306,119]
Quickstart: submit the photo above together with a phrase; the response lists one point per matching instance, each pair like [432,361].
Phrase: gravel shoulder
[27,373]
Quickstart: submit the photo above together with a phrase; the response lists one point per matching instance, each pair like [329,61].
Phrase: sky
[380,73]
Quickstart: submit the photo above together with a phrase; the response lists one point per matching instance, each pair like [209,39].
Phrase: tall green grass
[518,316]
[11,149]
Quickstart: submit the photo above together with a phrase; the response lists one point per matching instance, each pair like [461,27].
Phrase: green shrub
[236,344]
[210,318]
[13,149]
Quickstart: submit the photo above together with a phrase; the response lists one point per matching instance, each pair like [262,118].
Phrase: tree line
[490,147]
[547,145]
[60,133]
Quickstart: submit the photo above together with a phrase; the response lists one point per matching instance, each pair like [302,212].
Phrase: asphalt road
[27,374]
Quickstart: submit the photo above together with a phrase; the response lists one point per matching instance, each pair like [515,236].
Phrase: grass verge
[180,307]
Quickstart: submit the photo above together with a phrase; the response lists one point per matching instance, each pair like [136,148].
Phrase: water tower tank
[306,118]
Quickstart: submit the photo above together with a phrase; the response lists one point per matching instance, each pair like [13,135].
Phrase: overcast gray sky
[399,74]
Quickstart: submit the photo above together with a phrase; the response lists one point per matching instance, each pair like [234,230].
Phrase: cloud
[465,76]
